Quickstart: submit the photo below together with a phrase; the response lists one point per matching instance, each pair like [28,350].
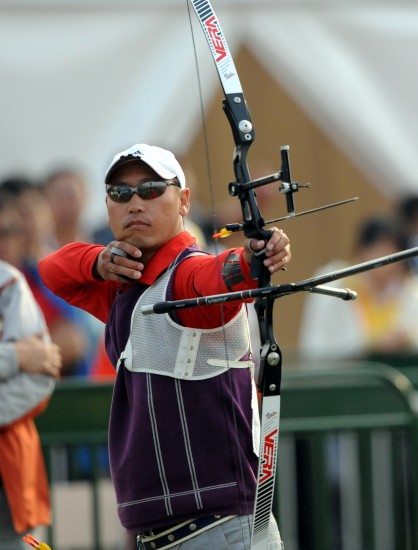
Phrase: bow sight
[288,187]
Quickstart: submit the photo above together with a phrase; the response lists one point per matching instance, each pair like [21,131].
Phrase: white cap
[163,162]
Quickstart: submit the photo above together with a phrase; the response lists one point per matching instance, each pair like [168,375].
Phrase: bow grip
[258,269]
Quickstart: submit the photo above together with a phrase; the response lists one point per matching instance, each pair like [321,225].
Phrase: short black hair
[15,186]
[380,228]
[408,208]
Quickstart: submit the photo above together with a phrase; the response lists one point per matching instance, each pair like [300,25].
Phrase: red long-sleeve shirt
[68,272]
[178,448]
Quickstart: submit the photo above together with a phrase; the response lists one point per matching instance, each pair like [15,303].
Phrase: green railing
[73,429]
[352,432]
[348,478]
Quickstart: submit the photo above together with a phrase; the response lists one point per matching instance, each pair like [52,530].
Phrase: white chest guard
[159,345]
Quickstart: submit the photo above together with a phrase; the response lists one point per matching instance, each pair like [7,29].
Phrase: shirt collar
[165,255]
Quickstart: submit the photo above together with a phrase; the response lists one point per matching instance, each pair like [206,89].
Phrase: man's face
[147,224]
[12,236]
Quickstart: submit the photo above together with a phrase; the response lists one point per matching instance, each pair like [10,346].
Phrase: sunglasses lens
[151,189]
[119,194]
[147,191]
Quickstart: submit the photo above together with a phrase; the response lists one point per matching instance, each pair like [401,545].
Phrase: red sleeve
[68,273]
[202,276]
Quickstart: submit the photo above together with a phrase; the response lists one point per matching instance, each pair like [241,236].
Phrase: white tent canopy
[81,80]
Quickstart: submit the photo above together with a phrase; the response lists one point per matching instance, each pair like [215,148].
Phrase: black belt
[165,537]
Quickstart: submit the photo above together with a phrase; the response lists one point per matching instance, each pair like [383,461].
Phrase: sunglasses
[146,191]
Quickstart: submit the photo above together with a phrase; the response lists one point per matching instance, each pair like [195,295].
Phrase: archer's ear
[184,206]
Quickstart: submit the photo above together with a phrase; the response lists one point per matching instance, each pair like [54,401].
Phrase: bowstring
[216,247]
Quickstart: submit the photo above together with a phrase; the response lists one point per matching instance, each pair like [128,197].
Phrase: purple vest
[179,449]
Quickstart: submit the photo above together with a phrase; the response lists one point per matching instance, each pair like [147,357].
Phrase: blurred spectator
[25,211]
[12,234]
[383,319]
[28,200]
[66,192]
[408,221]
[29,363]
[77,334]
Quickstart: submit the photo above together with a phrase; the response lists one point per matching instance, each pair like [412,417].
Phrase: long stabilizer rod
[307,285]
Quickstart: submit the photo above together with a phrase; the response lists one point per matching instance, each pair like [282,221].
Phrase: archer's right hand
[119,261]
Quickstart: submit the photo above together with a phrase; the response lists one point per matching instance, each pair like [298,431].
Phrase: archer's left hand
[277,250]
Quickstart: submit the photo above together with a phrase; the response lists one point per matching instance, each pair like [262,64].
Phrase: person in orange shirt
[29,365]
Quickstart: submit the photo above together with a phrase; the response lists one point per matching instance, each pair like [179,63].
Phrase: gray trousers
[234,534]
[9,539]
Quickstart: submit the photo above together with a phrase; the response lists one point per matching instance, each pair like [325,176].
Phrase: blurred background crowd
[37,217]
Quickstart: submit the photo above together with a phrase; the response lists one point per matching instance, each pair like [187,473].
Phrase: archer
[184,425]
